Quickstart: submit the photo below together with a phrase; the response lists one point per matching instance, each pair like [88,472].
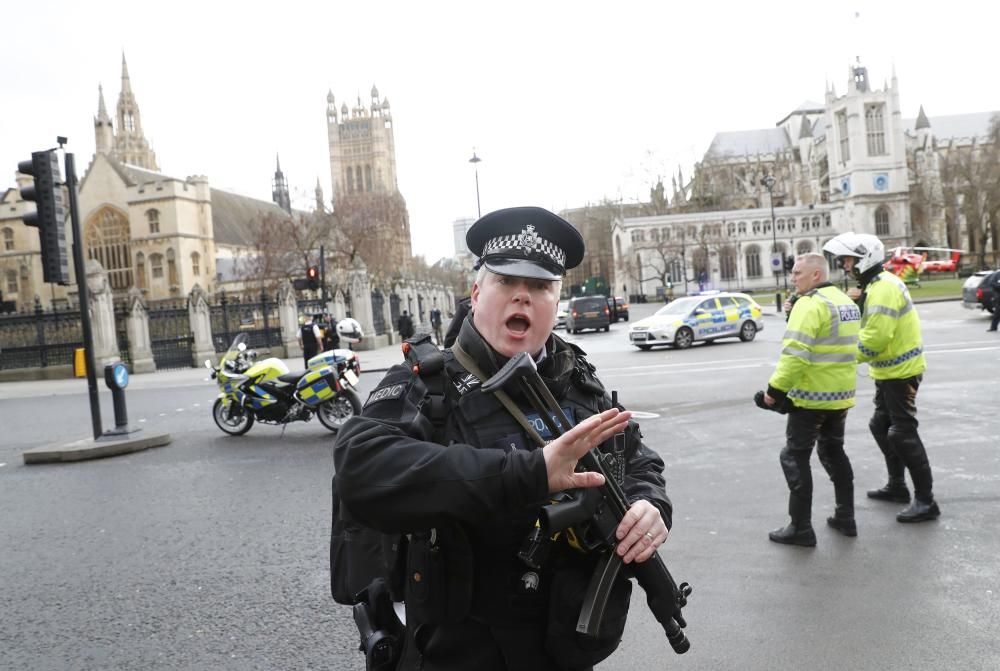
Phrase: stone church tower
[279,189]
[866,151]
[363,176]
[127,145]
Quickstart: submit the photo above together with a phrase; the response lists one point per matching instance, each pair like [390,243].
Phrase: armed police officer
[815,381]
[446,473]
[890,342]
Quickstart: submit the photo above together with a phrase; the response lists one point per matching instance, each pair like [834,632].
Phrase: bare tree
[970,175]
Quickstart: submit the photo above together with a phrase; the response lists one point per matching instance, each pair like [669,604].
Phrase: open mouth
[518,324]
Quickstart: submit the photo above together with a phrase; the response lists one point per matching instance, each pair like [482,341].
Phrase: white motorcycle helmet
[349,330]
[866,248]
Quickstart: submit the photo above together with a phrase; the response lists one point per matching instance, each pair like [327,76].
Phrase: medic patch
[387,393]
[849,313]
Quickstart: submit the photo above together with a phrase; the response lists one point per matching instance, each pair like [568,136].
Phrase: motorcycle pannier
[317,386]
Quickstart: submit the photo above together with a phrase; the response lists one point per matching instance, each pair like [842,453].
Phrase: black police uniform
[393,474]
[449,475]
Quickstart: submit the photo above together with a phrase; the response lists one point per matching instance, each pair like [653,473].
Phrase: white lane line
[694,363]
[639,414]
[180,409]
[142,420]
[163,414]
[197,405]
[2,465]
[962,349]
[616,374]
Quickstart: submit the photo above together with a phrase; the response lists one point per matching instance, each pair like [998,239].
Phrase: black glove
[780,405]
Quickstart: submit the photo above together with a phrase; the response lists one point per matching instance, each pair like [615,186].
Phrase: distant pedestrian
[405,325]
[995,285]
[464,306]
[436,325]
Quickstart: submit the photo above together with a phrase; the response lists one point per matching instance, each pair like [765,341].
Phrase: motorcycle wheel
[339,409]
[234,426]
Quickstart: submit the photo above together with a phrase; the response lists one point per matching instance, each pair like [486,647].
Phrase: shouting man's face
[515,314]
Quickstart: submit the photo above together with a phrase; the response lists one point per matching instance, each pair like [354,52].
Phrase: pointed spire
[277,161]
[126,83]
[922,120]
[102,110]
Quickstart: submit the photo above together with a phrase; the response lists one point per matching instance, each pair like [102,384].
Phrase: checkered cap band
[821,395]
[526,243]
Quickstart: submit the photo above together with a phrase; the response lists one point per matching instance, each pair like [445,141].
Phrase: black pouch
[562,642]
[439,576]
[356,557]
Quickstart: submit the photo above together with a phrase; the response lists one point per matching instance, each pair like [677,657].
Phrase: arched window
[791,224]
[171,268]
[675,271]
[195,264]
[727,263]
[742,228]
[638,269]
[781,225]
[156,266]
[730,229]
[368,178]
[755,227]
[153,217]
[882,221]
[140,270]
[350,179]
[815,221]
[804,247]
[752,260]
[107,240]
[12,282]
[8,240]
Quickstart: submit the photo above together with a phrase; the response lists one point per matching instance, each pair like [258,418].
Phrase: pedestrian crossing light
[312,277]
[50,213]
[789,263]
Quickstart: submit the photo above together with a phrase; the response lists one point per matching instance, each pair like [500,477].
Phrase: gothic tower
[279,189]
[866,151]
[131,145]
[363,175]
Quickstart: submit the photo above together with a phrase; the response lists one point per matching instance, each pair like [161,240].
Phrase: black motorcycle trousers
[823,429]
[894,427]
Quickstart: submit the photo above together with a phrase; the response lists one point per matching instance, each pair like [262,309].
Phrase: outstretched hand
[562,453]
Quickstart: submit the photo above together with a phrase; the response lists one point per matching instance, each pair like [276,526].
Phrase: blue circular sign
[121,375]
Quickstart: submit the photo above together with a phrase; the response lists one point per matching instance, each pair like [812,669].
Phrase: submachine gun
[601,510]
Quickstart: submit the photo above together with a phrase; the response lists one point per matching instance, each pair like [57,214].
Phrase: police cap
[525,242]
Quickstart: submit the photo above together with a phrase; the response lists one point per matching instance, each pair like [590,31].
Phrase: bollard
[116,377]
[777,302]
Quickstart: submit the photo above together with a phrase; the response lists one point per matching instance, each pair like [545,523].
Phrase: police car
[699,318]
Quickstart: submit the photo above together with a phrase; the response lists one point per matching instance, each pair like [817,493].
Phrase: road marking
[963,349]
[694,363]
[163,414]
[616,374]
[197,405]
[639,414]
[180,409]
[142,420]
[2,465]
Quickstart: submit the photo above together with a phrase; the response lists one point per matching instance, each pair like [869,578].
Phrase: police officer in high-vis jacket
[816,379]
[447,473]
[890,342]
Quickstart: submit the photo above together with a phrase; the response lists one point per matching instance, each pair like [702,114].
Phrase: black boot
[895,490]
[795,534]
[845,525]
[919,511]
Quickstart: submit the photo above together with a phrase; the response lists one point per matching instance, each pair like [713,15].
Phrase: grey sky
[566,102]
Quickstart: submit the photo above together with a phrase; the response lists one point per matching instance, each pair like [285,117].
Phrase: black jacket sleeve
[392,478]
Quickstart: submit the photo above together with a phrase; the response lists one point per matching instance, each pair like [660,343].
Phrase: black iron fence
[170,333]
[39,338]
[378,312]
[258,319]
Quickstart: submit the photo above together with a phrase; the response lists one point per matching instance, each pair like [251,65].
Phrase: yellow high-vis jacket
[817,368]
[890,340]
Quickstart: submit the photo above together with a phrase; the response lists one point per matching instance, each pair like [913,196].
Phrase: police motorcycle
[266,391]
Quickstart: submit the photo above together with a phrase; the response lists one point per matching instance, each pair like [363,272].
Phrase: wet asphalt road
[211,553]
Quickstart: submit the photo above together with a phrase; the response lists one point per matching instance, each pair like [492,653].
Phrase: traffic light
[789,263]
[50,213]
[312,275]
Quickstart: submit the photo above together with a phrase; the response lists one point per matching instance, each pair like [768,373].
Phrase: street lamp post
[769,184]
[475,160]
